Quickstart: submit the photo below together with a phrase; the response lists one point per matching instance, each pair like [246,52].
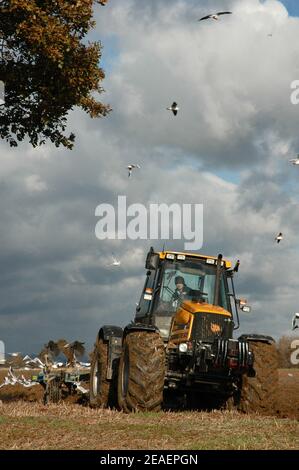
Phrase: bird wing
[224,13]
[205,18]
[296,316]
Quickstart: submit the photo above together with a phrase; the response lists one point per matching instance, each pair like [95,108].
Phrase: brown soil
[18,392]
[287,394]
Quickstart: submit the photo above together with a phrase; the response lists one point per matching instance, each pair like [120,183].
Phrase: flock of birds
[12,379]
[46,361]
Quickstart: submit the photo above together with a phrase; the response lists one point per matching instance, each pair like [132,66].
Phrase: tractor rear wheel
[141,372]
[101,389]
[258,394]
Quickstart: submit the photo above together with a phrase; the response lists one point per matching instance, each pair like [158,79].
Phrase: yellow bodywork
[163,254]
[181,327]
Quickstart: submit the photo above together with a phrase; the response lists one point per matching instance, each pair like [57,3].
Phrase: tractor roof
[163,255]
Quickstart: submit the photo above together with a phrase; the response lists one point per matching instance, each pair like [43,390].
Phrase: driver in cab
[181,290]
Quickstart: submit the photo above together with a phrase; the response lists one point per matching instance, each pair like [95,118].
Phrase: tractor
[180,350]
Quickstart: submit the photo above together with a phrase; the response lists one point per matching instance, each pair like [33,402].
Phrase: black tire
[141,372]
[259,393]
[53,391]
[101,388]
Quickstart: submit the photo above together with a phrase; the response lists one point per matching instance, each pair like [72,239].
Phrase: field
[73,426]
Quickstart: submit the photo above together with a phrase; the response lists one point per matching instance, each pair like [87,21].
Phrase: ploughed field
[70,425]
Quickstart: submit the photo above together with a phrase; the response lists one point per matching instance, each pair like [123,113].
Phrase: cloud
[34,183]
[228,148]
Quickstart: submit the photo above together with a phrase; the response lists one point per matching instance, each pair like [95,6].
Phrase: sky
[228,149]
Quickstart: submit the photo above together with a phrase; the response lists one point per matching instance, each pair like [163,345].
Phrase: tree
[48,68]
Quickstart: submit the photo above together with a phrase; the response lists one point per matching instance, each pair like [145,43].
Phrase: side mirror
[152,260]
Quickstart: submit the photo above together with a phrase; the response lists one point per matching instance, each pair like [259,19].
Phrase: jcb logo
[294,359]
[215,328]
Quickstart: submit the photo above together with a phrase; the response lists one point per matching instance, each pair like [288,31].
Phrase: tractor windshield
[189,279]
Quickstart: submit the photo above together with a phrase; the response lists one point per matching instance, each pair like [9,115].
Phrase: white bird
[115,261]
[36,362]
[174,108]
[215,16]
[294,323]
[84,364]
[80,387]
[295,161]
[279,237]
[27,358]
[11,377]
[131,167]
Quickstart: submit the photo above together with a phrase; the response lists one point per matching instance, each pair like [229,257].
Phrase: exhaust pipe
[217,280]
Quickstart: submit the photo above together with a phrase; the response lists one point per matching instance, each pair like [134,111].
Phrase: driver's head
[180,282]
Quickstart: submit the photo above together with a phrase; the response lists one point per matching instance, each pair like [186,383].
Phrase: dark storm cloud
[236,115]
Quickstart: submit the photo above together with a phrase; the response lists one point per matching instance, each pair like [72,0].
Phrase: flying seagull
[295,161]
[131,167]
[279,237]
[115,262]
[103,2]
[294,323]
[215,16]
[174,108]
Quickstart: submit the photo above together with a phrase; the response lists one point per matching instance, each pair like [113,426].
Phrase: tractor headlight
[183,347]
[246,308]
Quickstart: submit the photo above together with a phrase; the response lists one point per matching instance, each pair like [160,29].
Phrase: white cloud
[34,183]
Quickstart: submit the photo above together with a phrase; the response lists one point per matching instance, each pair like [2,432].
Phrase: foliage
[48,68]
